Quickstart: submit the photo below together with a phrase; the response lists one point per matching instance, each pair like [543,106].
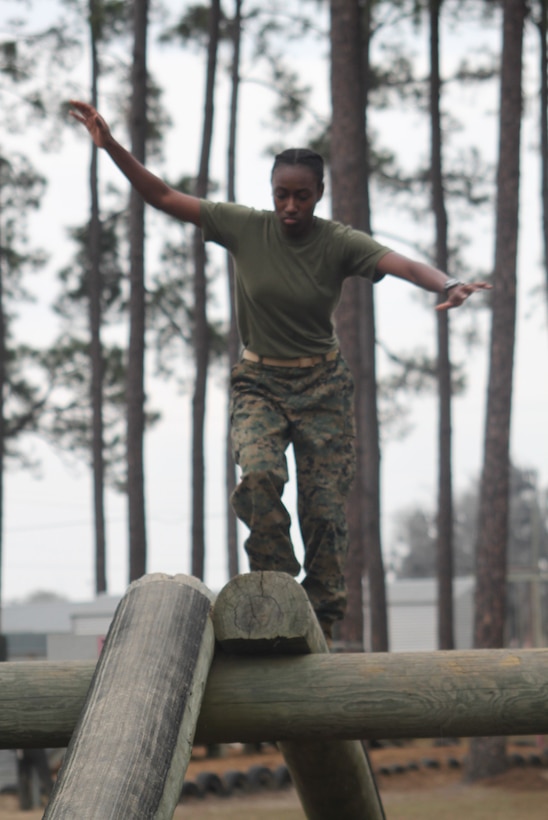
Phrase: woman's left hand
[460,293]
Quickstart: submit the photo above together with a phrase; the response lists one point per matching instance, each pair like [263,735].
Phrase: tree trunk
[96,349]
[543,35]
[445,490]
[201,330]
[3,333]
[486,755]
[356,316]
[136,355]
[233,340]
[369,465]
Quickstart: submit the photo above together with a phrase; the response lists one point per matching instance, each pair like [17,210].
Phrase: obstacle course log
[131,746]
[266,612]
[270,613]
[41,701]
[469,693]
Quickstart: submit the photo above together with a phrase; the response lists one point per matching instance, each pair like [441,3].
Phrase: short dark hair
[301,156]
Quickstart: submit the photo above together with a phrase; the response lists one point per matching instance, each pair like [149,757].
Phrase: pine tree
[356,317]
[487,755]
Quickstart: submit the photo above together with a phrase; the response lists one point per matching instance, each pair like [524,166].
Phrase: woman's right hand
[96,125]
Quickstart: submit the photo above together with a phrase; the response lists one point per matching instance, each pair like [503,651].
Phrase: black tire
[210,783]
[260,777]
[282,777]
[236,781]
[191,789]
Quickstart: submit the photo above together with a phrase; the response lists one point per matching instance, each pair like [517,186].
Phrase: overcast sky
[48,522]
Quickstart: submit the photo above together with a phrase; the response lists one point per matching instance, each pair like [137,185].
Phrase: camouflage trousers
[311,408]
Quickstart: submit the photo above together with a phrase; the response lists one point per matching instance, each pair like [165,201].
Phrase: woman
[291,385]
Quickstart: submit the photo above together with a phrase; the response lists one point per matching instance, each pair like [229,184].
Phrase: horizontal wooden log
[376,696]
[381,695]
[41,701]
[270,613]
[133,740]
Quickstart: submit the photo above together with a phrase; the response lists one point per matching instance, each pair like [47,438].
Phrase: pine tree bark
[444,551]
[233,345]
[487,756]
[96,348]
[136,354]
[543,126]
[3,381]
[355,316]
[201,330]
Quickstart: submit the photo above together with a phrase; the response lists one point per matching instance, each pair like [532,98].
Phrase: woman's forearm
[153,189]
[430,278]
[420,274]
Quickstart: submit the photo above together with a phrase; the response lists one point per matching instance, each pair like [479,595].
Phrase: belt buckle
[250,356]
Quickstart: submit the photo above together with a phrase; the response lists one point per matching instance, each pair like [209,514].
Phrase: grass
[225,810]
[472,804]
[453,804]
[478,803]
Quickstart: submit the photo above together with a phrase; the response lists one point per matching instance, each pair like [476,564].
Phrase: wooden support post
[130,750]
[269,612]
[461,693]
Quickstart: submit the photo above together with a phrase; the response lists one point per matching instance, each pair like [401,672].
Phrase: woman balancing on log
[292,385]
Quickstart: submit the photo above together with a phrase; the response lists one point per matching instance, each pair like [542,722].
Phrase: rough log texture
[377,696]
[266,612]
[386,695]
[131,747]
[269,613]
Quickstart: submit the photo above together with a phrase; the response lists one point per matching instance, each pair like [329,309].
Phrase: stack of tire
[235,782]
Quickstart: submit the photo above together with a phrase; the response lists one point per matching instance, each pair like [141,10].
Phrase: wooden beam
[269,613]
[377,696]
[480,692]
[130,749]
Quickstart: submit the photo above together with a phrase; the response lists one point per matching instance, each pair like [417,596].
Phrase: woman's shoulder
[338,229]
[232,209]
[345,235]
[227,222]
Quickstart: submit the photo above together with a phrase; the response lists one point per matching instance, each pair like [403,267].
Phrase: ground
[413,778]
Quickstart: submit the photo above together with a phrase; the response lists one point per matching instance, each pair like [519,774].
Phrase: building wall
[412,614]
[412,627]
[73,647]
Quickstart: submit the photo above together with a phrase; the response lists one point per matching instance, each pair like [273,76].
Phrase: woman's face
[296,192]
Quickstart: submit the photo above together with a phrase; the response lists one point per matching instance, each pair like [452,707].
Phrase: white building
[57,630]
[67,630]
[412,614]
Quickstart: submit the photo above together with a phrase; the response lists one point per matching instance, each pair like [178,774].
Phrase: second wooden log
[269,613]
[131,746]
[458,693]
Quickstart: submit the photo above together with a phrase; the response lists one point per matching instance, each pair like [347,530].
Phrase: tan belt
[302,361]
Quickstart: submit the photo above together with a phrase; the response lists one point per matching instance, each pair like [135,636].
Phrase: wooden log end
[179,578]
[266,612]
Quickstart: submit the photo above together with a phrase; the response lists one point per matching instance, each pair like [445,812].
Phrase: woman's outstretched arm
[430,278]
[153,189]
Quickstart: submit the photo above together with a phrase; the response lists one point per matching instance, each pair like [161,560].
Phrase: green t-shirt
[287,289]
